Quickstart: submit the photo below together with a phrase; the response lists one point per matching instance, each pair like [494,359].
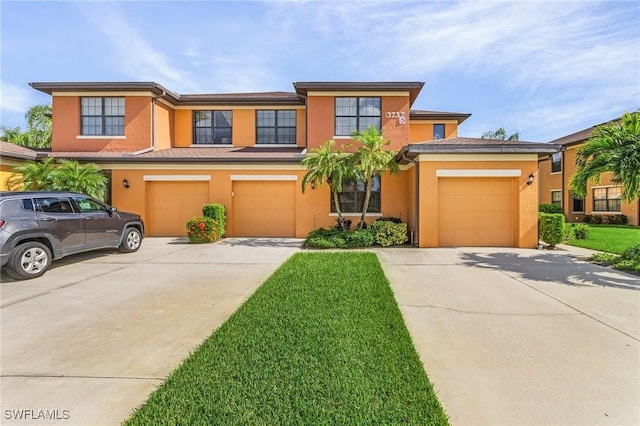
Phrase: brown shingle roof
[580,136]
[11,150]
[419,114]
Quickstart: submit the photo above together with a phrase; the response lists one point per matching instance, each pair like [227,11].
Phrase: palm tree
[87,179]
[615,148]
[32,176]
[324,164]
[501,134]
[371,159]
[38,133]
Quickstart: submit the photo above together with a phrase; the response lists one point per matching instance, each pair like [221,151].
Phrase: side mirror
[112,210]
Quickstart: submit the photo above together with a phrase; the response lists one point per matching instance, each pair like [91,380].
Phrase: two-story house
[167,154]
[603,198]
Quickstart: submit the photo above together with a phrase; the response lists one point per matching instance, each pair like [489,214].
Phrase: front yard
[609,238]
[322,341]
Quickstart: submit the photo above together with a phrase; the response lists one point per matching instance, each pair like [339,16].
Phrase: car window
[53,205]
[89,205]
[27,204]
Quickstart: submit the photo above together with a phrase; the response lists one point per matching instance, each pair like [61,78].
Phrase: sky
[543,69]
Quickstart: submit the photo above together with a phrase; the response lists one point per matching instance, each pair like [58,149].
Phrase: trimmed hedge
[606,219]
[202,230]
[337,238]
[550,208]
[551,226]
[388,233]
[216,212]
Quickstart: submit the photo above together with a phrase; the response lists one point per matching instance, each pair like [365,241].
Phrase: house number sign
[402,119]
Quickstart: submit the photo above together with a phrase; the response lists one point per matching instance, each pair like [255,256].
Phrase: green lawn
[321,342]
[609,238]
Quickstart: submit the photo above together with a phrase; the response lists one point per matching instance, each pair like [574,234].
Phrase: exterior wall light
[530,179]
[125,183]
[313,185]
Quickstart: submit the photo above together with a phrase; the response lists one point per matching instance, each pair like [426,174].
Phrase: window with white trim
[102,116]
[556,162]
[212,127]
[607,199]
[355,114]
[556,198]
[438,131]
[277,127]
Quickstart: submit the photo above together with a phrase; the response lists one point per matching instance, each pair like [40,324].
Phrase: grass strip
[610,239]
[321,342]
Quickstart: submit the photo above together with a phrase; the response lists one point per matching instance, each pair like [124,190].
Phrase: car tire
[29,260]
[131,240]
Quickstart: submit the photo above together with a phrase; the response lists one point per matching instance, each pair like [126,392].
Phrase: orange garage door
[171,204]
[264,209]
[477,212]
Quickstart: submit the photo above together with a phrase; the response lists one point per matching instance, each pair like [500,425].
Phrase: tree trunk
[336,203]
[365,205]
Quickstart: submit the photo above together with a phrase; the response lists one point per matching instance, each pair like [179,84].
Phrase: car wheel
[29,260]
[131,241]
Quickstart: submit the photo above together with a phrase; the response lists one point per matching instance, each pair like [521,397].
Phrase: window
[438,131]
[556,198]
[606,199]
[352,197]
[102,116]
[578,205]
[212,127]
[53,205]
[556,162]
[276,127]
[89,205]
[356,114]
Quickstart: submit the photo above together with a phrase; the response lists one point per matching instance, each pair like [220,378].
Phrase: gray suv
[38,227]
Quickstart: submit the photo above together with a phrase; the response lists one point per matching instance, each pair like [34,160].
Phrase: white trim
[556,190]
[264,177]
[607,186]
[101,93]
[555,173]
[275,145]
[342,137]
[102,137]
[202,166]
[478,172]
[601,212]
[477,157]
[211,145]
[356,214]
[176,178]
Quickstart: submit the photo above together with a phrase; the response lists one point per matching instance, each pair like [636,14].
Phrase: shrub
[567,230]
[390,219]
[603,258]
[359,238]
[588,218]
[597,219]
[202,230]
[338,238]
[628,265]
[387,233]
[216,212]
[550,208]
[344,226]
[581,231]
[632,253]
[551,228]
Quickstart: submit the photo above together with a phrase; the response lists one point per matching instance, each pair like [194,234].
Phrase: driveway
[88,341]
[522,337]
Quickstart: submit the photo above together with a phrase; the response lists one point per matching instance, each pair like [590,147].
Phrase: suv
[40,226]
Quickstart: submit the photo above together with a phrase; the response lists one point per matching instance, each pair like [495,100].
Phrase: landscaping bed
[322,341]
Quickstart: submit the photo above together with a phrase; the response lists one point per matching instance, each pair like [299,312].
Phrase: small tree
[501,134]
[38,133]
[324,164]
[32,176]
[615,148]
[371,159]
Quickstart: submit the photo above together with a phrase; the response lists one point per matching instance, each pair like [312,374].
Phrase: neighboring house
[602,198]
[168,154]
[12,155]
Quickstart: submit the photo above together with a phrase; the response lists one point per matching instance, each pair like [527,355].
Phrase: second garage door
[476,212]
[172,204]
[264,209]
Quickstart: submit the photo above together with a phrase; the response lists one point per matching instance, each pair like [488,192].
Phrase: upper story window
[102,116]
[556,198]
[556,162]
[438,131]
[606,199]
[356,114]
[276,127]
[212,127]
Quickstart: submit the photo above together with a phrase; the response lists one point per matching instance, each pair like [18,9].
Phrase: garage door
[476,212]
[171,204]
[264,209]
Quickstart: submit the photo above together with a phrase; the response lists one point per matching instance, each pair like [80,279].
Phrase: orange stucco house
[602,198]
[167,154]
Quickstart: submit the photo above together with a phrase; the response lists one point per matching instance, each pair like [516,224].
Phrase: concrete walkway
[522,337]
[88,341]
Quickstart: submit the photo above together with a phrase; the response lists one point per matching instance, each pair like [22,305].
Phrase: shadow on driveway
[554,268]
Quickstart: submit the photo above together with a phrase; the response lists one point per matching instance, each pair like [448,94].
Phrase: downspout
[416,217]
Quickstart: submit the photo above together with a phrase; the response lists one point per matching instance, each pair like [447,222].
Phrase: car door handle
[49,219]
[89,218]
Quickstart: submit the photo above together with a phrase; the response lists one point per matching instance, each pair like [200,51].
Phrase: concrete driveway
[88,341]
[522,337]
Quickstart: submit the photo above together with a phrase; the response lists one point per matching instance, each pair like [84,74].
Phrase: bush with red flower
[202,230]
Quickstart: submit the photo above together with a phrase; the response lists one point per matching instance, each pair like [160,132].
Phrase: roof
[474,146]
[413,87]
[579,136]
[194,154]
[11,150]
[419,114]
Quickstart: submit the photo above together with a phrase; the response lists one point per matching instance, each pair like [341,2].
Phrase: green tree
[615,148]
[38,133]
[70,175]
[501,134]
[371,159]
[324,164]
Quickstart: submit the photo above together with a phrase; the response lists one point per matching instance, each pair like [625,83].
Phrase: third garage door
[476,212]
[264,209]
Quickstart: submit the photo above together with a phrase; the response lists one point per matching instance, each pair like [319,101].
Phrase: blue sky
[542,68]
